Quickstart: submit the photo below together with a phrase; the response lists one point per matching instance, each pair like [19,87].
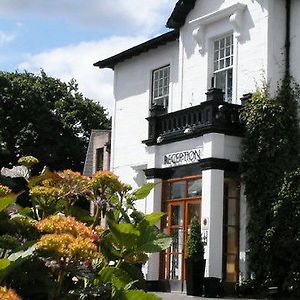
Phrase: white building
[171,125]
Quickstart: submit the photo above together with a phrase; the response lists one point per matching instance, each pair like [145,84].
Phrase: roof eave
[179,13]
[136,50]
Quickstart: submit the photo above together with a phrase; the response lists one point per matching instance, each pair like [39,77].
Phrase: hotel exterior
[176,121]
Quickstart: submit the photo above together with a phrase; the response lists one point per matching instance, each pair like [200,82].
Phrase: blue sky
[65,37]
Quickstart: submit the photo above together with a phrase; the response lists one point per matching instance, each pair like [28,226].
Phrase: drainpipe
[287,37]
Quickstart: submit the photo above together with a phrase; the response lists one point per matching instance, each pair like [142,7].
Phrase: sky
[65,37]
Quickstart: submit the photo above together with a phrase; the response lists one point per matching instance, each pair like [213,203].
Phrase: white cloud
[76,61]
[138,15]
[6,38]
[131,22]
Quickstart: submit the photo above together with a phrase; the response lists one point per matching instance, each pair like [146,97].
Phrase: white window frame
[219,63]
[160,91]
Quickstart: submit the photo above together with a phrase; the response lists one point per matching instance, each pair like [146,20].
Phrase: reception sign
[182,158]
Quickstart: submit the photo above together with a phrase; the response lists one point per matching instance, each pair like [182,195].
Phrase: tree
[270,151]
[47,118]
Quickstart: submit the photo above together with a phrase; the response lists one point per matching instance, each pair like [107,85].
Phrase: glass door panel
[174,257]
[193,210]
[175,267]
[180,215]
[194,188]
[177,240]
[183,199]
[176,215]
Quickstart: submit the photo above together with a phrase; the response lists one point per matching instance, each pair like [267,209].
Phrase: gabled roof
[134,51]
[175,21]
[180,12]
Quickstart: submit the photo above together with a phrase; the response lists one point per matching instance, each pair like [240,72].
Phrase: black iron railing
[213,115]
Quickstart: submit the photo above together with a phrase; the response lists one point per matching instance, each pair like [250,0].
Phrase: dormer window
[160,87]
[223,65]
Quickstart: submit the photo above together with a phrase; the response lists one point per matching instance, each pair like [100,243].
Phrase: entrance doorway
[182,202]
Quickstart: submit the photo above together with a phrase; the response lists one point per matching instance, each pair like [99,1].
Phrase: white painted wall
[132,94]
[259,54]
[250,64]
[295,40]
[132,91]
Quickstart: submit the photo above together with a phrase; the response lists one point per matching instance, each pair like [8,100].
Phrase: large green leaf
[7,200]
[117,277]
[26,211]
[107,248]
[154,217]
[16,260]
[4,266]
[140,295]
[4,263]
[143,191]
[135,273]
[124,234]
[155,245]
[151,239]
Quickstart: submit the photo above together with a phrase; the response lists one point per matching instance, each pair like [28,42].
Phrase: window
[231,231]
[223,63]
[99,159]
[160,87]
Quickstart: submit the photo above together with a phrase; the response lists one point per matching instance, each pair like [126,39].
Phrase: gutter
[287,38]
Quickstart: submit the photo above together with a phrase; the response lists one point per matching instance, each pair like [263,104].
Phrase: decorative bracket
[234,13]
[199,36]
[236,20]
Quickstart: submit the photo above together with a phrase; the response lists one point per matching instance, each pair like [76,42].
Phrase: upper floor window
[160,87]
[223,65]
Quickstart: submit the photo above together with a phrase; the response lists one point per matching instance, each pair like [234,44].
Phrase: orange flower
[73,183]
[8,294]
[67,238]
[68,246]
[45,195]
[69,225]
[106,180]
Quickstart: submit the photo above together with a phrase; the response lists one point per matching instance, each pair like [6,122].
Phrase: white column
[212,210]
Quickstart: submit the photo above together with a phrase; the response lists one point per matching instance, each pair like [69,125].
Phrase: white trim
[233,12]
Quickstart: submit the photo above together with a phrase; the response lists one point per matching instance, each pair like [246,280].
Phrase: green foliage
[5,201]
[270,150]
[284,234]
[44,117]
[133,295]
[52,251]
[194,245]
[144,191]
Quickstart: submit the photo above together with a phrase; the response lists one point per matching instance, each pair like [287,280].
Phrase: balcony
[213,115]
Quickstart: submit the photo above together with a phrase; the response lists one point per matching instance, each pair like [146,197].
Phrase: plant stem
[60,279]
[4,253]
[96,217]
